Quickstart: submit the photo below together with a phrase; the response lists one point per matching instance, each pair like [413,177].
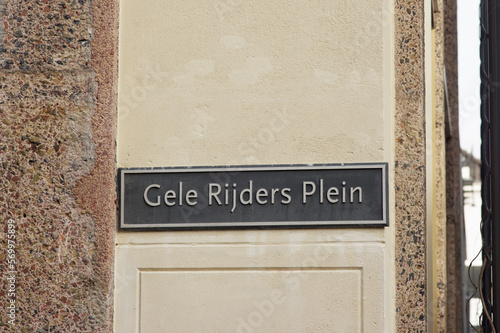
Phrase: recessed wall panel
[284,287]
[247,300]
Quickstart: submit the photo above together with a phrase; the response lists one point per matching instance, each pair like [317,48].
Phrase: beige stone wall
[256,83]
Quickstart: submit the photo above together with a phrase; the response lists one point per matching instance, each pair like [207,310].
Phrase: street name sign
[299,196]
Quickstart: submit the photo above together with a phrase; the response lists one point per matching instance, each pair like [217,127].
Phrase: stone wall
[57,186]
[57,166]
[410,169]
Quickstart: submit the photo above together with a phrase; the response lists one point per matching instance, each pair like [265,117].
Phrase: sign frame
[384,222]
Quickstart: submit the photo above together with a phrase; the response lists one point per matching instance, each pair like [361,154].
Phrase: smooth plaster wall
[307,283]
[253,82]
[236,82]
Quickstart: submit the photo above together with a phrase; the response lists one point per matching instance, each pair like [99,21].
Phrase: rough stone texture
[57,178]
[454,207]
[439,176]
[97,191]
[46,147]
[45,34]
[410,163]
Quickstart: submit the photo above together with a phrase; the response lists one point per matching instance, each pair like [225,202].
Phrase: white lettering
[152,204]
[360,194]
[261,192]
[170,194]
[306,193]
[332,191]
[273,193]
[234,198]
[191,195]
[211,194]
[285,193]
[180,193]
[249,192]
[321,191]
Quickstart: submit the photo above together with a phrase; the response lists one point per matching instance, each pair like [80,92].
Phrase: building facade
[91,88]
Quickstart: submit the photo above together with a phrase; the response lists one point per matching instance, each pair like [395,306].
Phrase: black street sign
[245,197]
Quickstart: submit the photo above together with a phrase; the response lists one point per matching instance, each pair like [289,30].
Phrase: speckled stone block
[46,148]
[439,175]
[45,34]
[410,164]
[57,162]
